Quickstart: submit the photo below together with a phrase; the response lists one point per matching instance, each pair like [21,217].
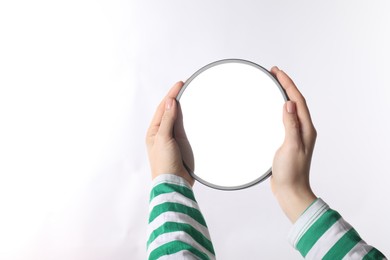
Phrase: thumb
[168,118]
[291,123]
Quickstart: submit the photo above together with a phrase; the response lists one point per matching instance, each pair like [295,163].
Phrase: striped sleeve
[321,233]
[176,228]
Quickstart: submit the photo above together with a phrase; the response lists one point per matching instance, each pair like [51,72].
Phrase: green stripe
[177,207]
[374,254]
[174,247]
[168,187]
[190,230]
[344,245]
[316,230]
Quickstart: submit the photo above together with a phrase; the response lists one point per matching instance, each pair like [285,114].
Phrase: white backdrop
[80,80]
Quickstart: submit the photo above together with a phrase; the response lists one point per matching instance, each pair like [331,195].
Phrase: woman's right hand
[291,166]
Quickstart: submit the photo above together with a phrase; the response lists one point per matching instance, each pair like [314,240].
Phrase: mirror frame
[268,173]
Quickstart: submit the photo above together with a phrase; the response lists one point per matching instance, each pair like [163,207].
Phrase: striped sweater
[177,229]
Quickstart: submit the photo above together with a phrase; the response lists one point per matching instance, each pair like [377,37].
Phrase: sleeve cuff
[170,178]
[308,217]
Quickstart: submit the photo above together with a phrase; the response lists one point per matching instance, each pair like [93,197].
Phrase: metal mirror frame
[268,173]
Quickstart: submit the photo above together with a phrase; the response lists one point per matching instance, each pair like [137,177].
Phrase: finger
[181,138]
[306,124]
[155,123]
[291,124]
[179,125]
[168,118]
[174,91]
[274,70]
[288,85]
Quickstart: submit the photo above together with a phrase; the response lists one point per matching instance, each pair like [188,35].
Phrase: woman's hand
[291,167]
[166,140]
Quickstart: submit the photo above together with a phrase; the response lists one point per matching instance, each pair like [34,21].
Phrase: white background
[80,80]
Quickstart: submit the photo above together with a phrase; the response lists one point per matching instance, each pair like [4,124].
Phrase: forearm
[321,233]
[176,225]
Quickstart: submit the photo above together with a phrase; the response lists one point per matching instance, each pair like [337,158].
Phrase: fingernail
[168,103]
[291,107]
[276,67]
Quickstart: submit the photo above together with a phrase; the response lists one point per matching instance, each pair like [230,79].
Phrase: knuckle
[303,100]
[294,123]
[167,117]
[147,137]
[314,133]
[294,146]
[148,141]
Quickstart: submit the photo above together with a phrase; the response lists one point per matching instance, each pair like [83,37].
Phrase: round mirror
[232,112]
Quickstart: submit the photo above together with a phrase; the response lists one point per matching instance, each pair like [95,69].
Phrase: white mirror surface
[232,112]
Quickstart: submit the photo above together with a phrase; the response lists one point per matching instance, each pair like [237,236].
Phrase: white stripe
[328,239]
[170,178]
[179,256]
[174,197]
[358,251]
[177,217]
[177,236]
[304,222]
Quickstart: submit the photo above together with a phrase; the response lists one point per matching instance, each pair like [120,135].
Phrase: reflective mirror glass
[232,112]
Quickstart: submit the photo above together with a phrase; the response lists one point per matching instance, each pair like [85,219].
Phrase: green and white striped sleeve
[176,229]
[321,233]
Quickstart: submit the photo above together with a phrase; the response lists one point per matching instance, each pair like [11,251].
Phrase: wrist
[295,201]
